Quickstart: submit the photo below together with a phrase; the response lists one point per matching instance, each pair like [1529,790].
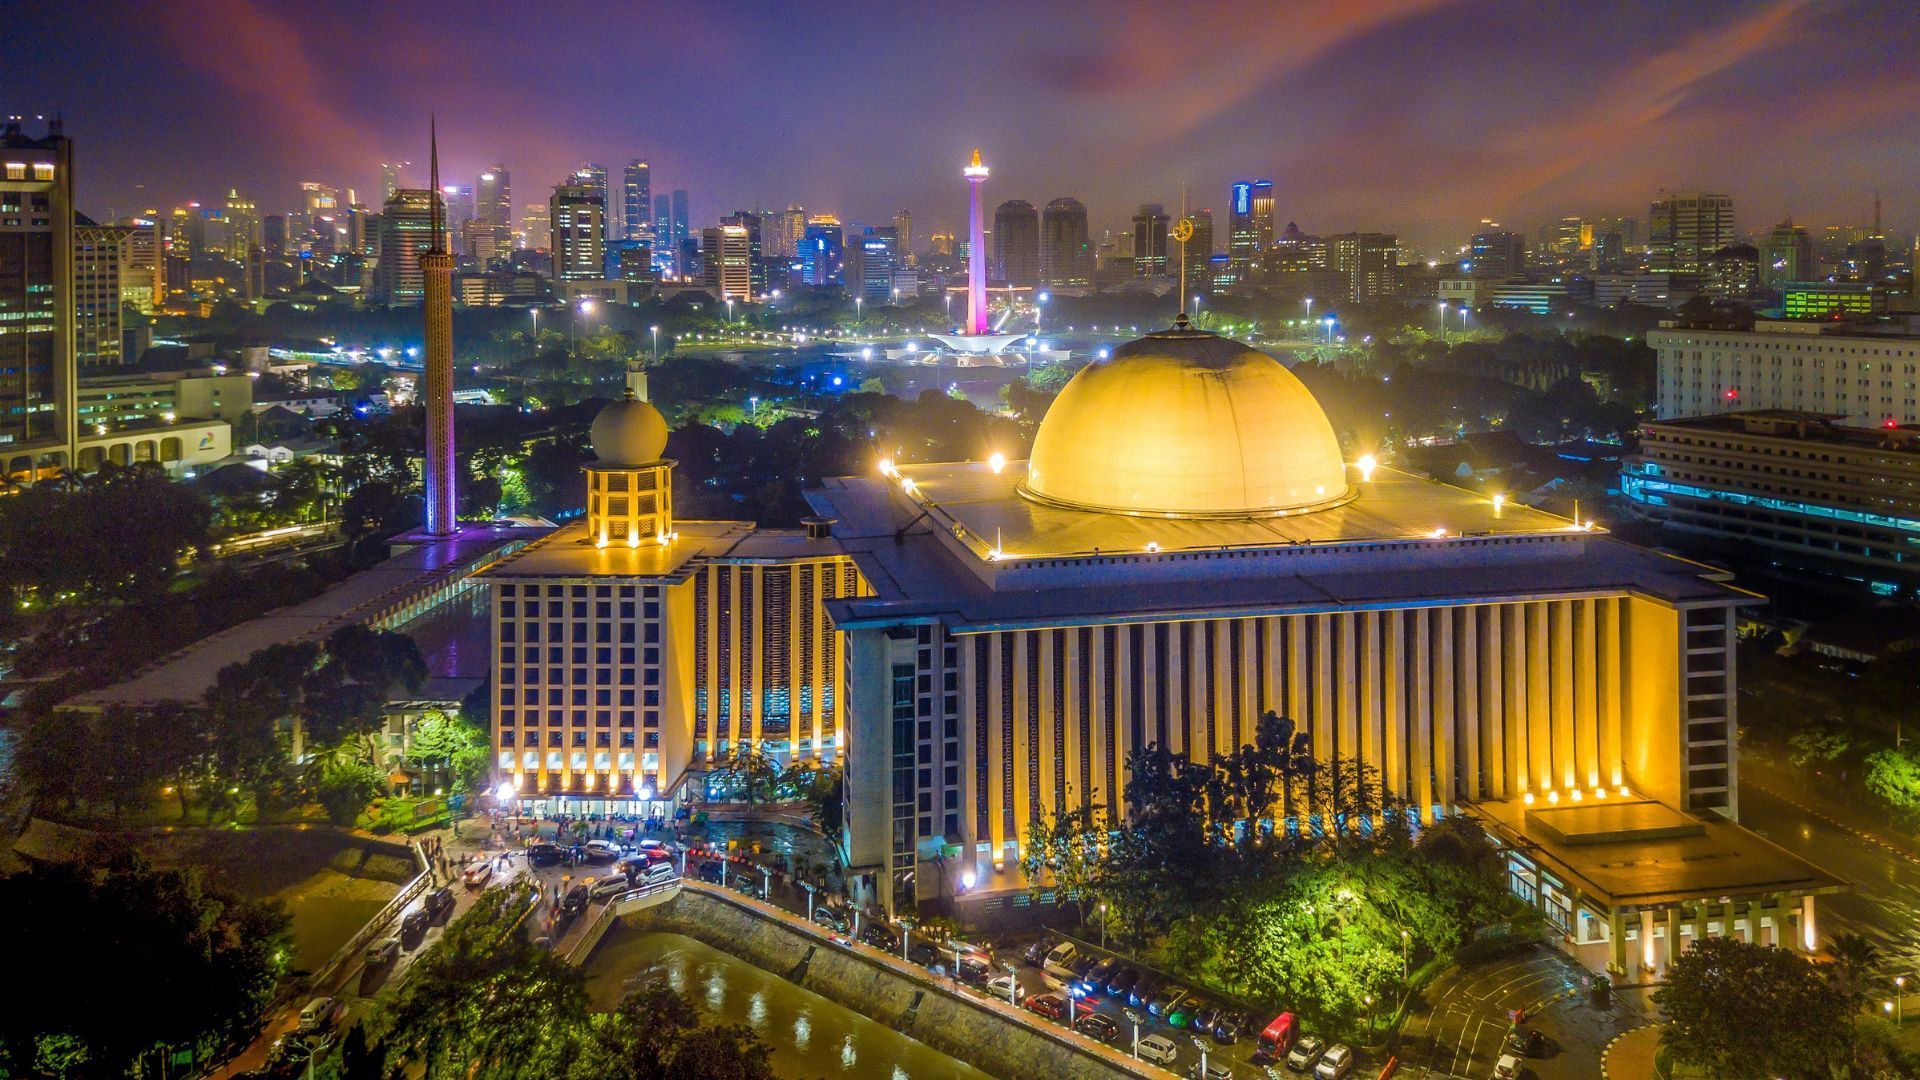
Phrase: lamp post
[1443,322]
[1134,1016]
[729,310]
[1899,1000]
[859,305]
[585,307]
[655,331]
[1201,1046]
[1406,962]
[1103,924]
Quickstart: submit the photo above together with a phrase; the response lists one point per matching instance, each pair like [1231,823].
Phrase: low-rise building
[1867,374]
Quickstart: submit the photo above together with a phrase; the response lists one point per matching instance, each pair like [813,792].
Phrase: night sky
[1417,116]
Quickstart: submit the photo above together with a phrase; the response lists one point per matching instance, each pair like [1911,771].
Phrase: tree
[345,785]
[345,697]
[656,1034]
[1822,744]
[1067,847]
[822,787]
[1894,777]
[749,772]
[1853,958]
[452,746]
[207,965]
[1716,989]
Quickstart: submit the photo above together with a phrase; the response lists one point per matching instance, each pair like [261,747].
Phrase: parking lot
[1459,1028]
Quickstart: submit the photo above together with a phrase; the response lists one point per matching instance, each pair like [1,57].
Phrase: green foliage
[1720,990]
[1819,744]
[115,535]
[1066,849]
[822,787]
[155,960]
[656,1034]
[345,786]
[748,773]
[1853,958]
[1893,776]
[451,745]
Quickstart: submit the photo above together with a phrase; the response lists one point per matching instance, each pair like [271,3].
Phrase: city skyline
[1365,115]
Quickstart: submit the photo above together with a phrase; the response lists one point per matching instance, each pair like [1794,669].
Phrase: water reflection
[810,1036]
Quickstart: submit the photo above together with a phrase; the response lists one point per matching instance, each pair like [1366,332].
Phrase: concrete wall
[990,1036]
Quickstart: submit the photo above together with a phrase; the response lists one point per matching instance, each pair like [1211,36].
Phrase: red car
[1051,1006]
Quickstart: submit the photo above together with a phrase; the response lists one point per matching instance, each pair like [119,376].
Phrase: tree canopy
[1719,989]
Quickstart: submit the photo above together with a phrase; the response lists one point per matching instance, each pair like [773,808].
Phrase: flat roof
[1393,505]
[185,674]
[1638,852]
[570,553]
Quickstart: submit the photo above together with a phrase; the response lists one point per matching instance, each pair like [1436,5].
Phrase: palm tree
[1852,956]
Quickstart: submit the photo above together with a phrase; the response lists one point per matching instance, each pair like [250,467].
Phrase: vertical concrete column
[1445,778]
[1104,720]
[1393,669]
[1616,944]
[1347,702]
[1323,689]
[752,715]
[1468,720]
[1174,664]
[1372,691]
[1586,725]
[1248,706]
[1520,779]
[1075,709]
[1272,632]
[1293,637]
[997,721]
[969,752]
[1649,953]
[1540,656]
[1809,936]
[1123,659]
[1610,690]
[1023,750]
[1422,716]
[1673,937]
[1494,752]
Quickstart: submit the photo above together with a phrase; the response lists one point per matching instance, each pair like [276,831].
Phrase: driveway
[1467,1011]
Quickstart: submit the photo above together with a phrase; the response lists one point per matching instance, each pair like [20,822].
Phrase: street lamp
[655,330]
[859,303]
[1134,1016]
[1899,999]
[1406,963]
[1103,917]
[1200,1045]
[1443,322]
[729,309]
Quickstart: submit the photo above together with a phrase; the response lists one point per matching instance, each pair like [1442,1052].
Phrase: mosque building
[1186,549]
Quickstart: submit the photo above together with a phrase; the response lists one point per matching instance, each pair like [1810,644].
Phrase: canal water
[810,1036]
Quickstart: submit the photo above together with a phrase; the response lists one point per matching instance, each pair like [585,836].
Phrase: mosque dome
[1184,423]
[629,432]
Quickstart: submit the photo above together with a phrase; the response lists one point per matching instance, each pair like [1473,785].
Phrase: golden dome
[1184,423]
[629,432]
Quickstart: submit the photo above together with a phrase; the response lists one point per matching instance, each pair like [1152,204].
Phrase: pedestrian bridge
[580,946]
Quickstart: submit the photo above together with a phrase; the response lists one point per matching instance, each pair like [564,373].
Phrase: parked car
[575,901]
[1306,1052]
[708,870]
[1169,997]
[832,918]
[320,1014]
[1213,1070]
[477,875]
[1277,1037]
[601,851]
[1097,1026]
[1183,1012]
[656,873]
[1228,1025]
[1526,1042]
[1002,985]
[413,924]
[1202,1020]
[880,936]
[1058,959]
[1094,982]
[1036,953]
[383,951]
[1509,1067]
[1051,1006]
[1158,1049]
[544,855]
[1121,982]
[925,954]
[974,969]
[610,886]
[653,845]
[1144,990]
[438,901]
[1336,1063]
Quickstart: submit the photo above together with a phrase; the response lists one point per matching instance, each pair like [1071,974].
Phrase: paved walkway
[1630,1056]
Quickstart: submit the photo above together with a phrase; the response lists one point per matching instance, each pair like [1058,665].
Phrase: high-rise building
[756,253]
[1197,251]
[439,472]
[1684,228]
[784,229]
[143,279]
[1368,261]
[1498,253]
[1150,241]
[726,263]
[1295,251]
[1066,257]
[100,257]
[406,230]
[593,177]
[636,203]
[461,207]
[1249,223]
[37,378]
[390,178]
[821,251]
[903,233]
[879,258]
[680,232]
[578,222]
[493,197]
[663,227]
[1016,243]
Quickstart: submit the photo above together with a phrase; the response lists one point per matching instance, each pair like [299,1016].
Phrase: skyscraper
[100,256]
[1150,241]
[36,294]
[636,204]
[756,254]
[1066,258]
[680,232]
[879,258]
[493,197]
[1786,255]
[578,221]
[903,233]
[1684,228]
[1249,223]
[1496,253]
[780,237]
[726,263]
[1198,250]
[1016,243]
[390,178]
[406,230]
[593,177]
[1369,261]
[821,251]
[662,223]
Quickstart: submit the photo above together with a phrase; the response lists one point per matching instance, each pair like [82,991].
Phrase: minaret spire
[433,181]
[436,271]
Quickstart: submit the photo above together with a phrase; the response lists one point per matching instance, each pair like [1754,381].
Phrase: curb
[1607,1052]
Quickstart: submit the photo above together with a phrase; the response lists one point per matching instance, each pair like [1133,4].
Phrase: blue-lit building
[1249,223]
[821,252]
[1802,488]
[879,257]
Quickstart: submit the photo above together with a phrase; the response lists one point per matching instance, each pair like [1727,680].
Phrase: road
[1459,1033]
[1883,897]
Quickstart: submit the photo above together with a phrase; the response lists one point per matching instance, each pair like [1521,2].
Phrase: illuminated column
[1348,720]
[1443,750]
[1371,685]
[1809,933]
[1586,720]
[997,721]
[976,175]
[1560,720]
[1022,748]
[1393,768]
[1649,966]
[1043,641]
[1420,715]
[1467,719]
[1494,752]
[436,270]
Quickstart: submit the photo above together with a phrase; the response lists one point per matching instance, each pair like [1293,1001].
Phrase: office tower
[436,394]
[461,207]
[1733,272]
[493,197]
[320,206]
[1016,243]
[536,227]
[273,235]
[1786,255]
[100,256]
[1197,252]
[821,251]
[726,263]
[1150,241]
[663,224]
[1571,236]
[903,231]
[593,177]
[1249,223]
[1498,253]
[243,244]
[1368,261]
[781,232]
[680,232]
[879,258]
[36,294]
[756,253]
[1684,228]
[1066,258]
[406,230]
[636,202]
[578,217]
[143,280]
[390,179]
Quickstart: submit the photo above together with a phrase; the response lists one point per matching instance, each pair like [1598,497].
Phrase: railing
[379,921]
[613,909]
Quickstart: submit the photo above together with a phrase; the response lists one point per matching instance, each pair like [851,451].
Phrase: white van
[1057,961]
[655,873]
[610,886]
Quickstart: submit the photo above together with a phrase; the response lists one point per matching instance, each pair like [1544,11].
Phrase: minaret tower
[436,267]
[976,175]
